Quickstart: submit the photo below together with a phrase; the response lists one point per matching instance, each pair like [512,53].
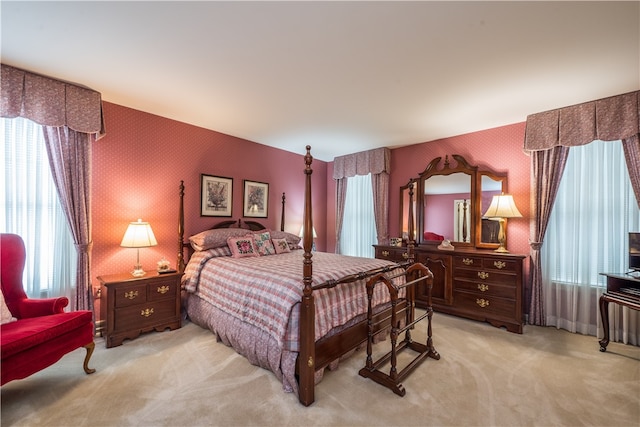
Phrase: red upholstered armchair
[42,332]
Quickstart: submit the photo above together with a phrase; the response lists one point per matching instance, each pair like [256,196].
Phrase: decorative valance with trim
[363,163]
[608,119]
[50,102]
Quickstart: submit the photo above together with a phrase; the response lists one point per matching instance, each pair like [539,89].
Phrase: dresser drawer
[487,289]
[486,263]
[143,315]
[486,305]
[126,296]
[396,254]
[485,276]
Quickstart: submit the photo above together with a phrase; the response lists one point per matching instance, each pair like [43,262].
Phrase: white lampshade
[138,235]
[502,206]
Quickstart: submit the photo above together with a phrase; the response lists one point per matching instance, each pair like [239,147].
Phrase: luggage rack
[371,370]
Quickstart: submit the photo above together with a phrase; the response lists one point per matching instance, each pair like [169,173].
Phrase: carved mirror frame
[478,230]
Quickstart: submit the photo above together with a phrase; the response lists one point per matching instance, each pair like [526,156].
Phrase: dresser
[133,305]
[477,284]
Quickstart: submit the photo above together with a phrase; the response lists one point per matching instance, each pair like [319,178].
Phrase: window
[358,233]
[587,234]
[31,209]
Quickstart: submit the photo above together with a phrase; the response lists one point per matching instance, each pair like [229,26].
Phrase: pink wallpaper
[137,168]
[498,148]
[138,165]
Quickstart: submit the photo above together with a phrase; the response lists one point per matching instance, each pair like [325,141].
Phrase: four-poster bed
[296,328]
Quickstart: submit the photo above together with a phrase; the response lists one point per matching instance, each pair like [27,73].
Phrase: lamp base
[138,271]
[502,250]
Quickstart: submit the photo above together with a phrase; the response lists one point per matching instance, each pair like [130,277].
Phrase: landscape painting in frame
[256,199]
[216,195]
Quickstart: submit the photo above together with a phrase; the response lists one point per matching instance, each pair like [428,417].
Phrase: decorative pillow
[210,239]
[291,238]
[263,242]
[281,246]
[5,314]
[242,246]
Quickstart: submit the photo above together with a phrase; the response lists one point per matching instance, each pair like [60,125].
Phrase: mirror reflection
[489,187]
[447,207]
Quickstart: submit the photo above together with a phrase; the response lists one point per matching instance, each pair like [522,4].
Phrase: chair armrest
[42,307]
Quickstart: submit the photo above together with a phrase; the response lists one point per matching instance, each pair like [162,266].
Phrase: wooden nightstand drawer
[130,295]
[162,289]
[144,315]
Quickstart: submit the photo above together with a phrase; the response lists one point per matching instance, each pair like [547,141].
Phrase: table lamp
[502,207]
[138,235]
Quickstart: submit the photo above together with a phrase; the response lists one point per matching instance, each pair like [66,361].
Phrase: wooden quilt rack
[393,380]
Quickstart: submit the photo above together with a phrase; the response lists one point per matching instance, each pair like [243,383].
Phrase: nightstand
[132,305]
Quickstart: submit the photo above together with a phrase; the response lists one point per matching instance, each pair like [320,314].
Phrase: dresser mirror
[450,197]
[489,185]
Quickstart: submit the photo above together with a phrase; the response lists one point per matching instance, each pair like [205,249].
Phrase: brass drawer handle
[499,264]
[482,287]
[163,289]
[405,255]
[467,261]
[146,312]
[483,274]
[482,302]
[385,253]
[131,294]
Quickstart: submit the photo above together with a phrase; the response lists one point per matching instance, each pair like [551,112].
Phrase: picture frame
[216,195]
[256,199]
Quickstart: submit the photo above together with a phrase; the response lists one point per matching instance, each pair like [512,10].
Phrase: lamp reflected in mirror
[502,207]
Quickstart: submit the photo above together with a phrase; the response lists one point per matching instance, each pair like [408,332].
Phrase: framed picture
[256,199]
[216,195]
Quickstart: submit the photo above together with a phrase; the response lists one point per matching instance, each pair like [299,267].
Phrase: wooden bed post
[282,216]
[180,260]
[306,358]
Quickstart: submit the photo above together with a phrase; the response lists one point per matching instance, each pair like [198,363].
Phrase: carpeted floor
[485,377]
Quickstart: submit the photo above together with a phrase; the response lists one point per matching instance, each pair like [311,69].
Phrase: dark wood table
[622,289]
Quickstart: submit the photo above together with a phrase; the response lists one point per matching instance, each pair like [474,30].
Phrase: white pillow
[5,314]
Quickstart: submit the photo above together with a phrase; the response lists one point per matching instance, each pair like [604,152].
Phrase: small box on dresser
[131,305]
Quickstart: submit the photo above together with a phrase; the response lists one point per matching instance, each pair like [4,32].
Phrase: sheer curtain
[358,233]
[594,210]
[31,209]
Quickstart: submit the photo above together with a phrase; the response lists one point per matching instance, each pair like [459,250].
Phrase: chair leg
[89,348]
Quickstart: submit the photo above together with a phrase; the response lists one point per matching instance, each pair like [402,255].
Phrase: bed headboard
[182,244]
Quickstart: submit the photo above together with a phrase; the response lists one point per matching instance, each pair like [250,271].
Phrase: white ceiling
[342,77]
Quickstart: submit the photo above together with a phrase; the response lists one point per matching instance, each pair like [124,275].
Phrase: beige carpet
[486,377]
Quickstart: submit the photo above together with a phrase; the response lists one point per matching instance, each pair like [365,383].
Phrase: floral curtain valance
[50,102]
[607,119]
[363,163]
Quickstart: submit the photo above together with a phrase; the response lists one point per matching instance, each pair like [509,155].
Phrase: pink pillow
[242,247]
[281,246]
[263,243]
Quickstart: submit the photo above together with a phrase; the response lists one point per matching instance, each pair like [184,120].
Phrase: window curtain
[587,235]
[72,119]
[377,163]
[608,119]
[32,210]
